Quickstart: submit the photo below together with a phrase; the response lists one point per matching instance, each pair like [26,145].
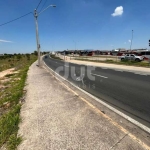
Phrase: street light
[75,43]
[37,33]
[131,41]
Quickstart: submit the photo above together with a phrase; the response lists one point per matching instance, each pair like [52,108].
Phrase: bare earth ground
[4,79]
[5,72]
[54,118]
[2,76]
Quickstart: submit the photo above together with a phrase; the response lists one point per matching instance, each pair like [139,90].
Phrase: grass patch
[6,83]
[9,124]
[134,63]
[16,61]
[110,61]
[13,141]
[9,103]
[124,62]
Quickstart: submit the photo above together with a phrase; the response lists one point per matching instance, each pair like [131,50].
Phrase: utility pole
[37,36]
[36,14]
[131,41]
[75,46]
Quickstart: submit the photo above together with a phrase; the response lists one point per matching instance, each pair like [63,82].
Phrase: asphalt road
[127,92]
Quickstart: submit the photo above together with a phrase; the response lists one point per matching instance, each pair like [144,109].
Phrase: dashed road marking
[99,75]
[118,70]
[144,74]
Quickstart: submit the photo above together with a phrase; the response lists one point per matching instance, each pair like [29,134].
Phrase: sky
[74,24]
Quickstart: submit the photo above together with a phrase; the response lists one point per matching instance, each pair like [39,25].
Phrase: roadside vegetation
[55,57]
[12,95]
[131,63]
[124,62]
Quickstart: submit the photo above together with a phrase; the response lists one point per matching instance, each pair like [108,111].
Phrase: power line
[15,19]
[38,4]
[43,5]
[23,15]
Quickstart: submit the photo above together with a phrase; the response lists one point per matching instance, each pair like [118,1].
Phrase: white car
[132,57]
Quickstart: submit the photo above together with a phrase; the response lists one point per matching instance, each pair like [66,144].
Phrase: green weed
[9,101]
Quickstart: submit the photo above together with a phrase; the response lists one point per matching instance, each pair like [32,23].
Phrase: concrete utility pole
[36,14]
[131,41]
[75,44]
[37,36]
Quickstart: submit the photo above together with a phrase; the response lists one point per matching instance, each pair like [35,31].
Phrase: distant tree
[44,53]
[35,53]
[6,56]
[9,55]
[19,56]
[28,56]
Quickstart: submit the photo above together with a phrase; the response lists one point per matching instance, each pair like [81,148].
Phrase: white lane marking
[144,74]
[56,62]
[99,75]
[118,70]
[66,66]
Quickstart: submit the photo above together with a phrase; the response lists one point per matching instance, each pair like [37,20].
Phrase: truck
[132,57]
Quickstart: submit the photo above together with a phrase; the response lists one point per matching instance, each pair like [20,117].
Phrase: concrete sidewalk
[134,69]
[54,118]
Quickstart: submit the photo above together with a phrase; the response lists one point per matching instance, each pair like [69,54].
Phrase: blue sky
[88,24]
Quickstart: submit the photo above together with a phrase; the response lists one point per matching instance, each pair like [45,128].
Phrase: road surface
[125,91]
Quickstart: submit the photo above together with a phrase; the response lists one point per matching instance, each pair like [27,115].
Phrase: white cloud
[5,41]
[129,41]
[118,11]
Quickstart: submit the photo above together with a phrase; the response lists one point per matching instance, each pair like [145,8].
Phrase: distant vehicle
[87,53]
[46,56]
[145,54]
[132,57]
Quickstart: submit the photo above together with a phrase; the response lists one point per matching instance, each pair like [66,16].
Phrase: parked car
[132,57]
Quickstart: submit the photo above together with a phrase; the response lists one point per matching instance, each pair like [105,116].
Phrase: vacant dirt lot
[5,72]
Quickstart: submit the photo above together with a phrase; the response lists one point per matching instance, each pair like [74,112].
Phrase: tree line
[19,55]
